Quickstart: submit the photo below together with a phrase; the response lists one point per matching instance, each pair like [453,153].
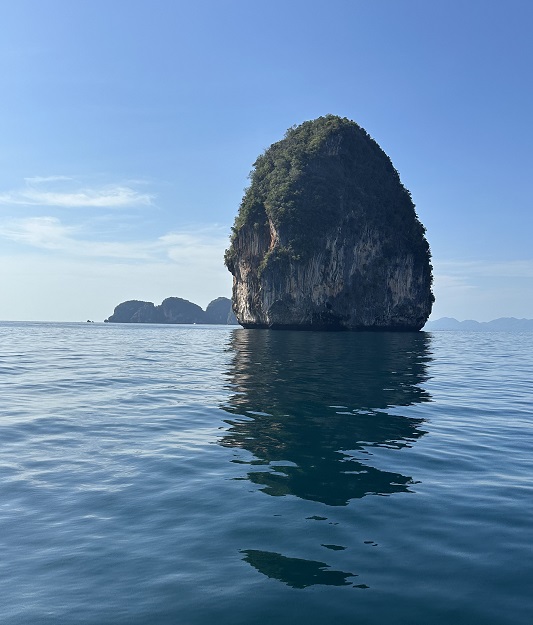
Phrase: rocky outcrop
[133,311]
[177,310]
[327,237]
[219,311]
[173,310]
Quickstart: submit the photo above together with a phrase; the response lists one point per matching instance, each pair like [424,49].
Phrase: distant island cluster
[503,324]
[174,310]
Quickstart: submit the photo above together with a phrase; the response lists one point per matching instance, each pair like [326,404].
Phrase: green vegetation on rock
[321,171]
[326,218]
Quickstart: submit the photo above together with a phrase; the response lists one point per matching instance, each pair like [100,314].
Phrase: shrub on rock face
[327,236]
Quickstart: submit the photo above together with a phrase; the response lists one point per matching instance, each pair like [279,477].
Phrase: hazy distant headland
[174,310]
[503,324]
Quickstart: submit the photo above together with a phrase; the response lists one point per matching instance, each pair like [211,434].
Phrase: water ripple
[176,474]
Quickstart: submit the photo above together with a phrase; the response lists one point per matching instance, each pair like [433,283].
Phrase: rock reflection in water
[295,572]
[309,406]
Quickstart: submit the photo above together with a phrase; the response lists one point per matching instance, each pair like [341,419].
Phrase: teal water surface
[196,474]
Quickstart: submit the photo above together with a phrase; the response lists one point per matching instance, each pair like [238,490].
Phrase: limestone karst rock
[134,311]
[173,310]
[327,237]
[219,311]
[178,310]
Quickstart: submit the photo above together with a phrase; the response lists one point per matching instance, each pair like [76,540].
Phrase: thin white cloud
[199,247]
[40,191]
[482,290]
[495,269]
[454,283]
[42,232]
[468,279]
[42,179]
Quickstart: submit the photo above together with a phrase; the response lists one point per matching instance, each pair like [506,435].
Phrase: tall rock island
[327,237]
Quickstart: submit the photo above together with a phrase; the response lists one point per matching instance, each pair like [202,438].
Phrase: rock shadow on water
[295,572]
[311,406]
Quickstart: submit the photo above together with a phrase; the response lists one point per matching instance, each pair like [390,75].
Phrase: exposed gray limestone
[327,237]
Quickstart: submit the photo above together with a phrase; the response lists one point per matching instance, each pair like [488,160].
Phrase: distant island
[174,310]
[503,324]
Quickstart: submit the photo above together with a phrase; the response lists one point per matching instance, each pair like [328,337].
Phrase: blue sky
[129,128]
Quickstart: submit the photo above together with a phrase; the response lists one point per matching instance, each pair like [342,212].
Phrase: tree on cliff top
[321,172]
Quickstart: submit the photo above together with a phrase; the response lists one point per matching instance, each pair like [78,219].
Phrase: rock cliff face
[327,237]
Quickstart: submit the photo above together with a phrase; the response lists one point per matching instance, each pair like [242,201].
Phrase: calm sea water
[189,475]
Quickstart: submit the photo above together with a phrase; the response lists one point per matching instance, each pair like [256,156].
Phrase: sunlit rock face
[327,237]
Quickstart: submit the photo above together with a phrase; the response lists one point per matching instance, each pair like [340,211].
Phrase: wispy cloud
[187,247]
[66,192]
[452,283]
[482,290]
[42,232]
[41,179]
[463,279]
[489,269]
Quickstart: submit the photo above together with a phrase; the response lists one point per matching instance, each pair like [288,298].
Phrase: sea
[194,475]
